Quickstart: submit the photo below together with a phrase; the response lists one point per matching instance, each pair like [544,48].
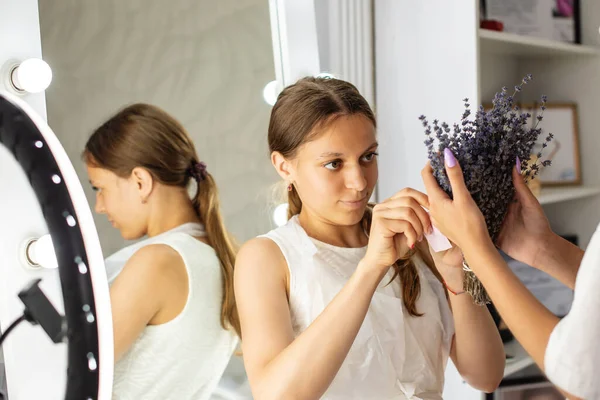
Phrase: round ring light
[69,219]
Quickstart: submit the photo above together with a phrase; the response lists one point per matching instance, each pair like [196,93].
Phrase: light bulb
[270,92]
[32,75]
[326,75]
[280,214]
[40,253]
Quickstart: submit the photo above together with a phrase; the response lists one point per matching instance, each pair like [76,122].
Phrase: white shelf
[495,42]
[559,194]
[520,359]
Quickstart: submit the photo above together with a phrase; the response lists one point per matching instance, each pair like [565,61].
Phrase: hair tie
[198,171]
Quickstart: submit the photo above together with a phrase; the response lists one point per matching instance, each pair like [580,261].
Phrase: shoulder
[150,277]
[155,254]
[153,263]
[260,251]
[260,257]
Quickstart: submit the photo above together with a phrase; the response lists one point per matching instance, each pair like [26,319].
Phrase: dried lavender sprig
[487,147]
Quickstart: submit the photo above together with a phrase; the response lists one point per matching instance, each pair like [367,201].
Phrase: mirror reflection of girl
[318,316]
[173,306]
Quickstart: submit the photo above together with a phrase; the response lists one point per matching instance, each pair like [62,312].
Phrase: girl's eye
[333,165]
[370,157]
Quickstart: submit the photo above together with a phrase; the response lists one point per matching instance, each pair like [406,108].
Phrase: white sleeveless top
[395,356]
[185,357]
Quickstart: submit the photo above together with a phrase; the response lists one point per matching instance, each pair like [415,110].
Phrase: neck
[323,230]
[170,211]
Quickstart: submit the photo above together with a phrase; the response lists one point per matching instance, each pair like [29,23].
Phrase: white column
[341,29]
[295,46]
[350,43]
[426,63]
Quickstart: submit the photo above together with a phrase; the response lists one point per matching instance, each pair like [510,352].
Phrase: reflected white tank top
[185,357]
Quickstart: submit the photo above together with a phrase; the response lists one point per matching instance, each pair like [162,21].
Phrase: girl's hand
[398,224]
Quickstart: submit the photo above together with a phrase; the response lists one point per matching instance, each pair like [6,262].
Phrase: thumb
[522,191]
[455,175]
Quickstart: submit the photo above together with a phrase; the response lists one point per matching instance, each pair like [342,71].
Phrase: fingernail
[518,165]
[449,158]
[421,238]
[412,246]
[430,230]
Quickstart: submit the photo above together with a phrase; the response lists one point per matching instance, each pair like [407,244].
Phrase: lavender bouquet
[487,148]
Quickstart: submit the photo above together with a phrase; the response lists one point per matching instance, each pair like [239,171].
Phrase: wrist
[370,273]
[479,250]
[478,239]
[452,276]
[454,289]
[545,247]
[559,258]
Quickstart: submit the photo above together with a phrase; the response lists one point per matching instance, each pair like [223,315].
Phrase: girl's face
[120,199]
[336,173]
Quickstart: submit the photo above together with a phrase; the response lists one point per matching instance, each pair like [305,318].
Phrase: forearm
[526,317]
[529,321]
[478,351]
[306,368]
[560,259]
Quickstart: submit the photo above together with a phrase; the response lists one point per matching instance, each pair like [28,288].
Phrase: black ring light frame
[70,224]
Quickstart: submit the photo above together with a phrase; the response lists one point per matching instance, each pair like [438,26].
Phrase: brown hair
[142,135]
[302,110]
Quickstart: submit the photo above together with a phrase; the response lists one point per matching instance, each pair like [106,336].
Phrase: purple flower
[486,148]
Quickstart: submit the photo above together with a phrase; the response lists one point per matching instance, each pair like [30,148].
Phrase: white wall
[205,62]
[29,354]
[426,63]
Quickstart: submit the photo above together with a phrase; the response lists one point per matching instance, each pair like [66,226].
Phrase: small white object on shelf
[551,195]
[520,359]
[529,46]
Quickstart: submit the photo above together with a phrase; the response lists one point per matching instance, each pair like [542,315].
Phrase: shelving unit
[494,42]
[565,73]
[560,194]
[520,359]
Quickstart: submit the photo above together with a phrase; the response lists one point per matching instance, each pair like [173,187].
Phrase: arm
[526,236]
[152,288]
[572,358]
[477,350]
[560,259]
[526,317]
[279,366]
[462,222]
